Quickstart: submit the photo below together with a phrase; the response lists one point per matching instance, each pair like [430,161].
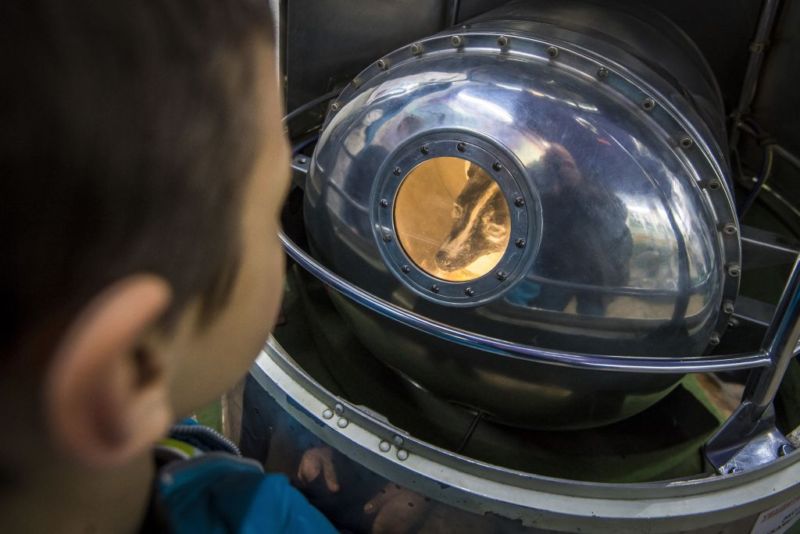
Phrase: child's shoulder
[205,485]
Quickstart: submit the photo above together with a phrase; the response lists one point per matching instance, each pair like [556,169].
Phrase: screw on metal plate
[497,166]
[501,275]
[502,41]
[406,269]
[714,339]
[384,446]
[728,307]
[469,292]
[435,288]
[335,107]
[734,270]
[686,142]
[602,73]
[729,229]
[552,51]
[733,322]
[402,455]
[398,440]
[397,171]
[456,40]
[382,64]
[520,243]
[416,49]
[327,414]
[384,203]
[302,160]
[648,104]
[338,408]
[387,237]
[425,149]
[342,422]
[519,202]
[461,147]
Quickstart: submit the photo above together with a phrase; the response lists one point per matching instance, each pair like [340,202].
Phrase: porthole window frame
[523,204]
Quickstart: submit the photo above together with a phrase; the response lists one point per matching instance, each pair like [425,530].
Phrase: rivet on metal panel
[686,142]
[502,41]
[397,171]
[602,73]
[335,107]
[387,237]
[384,203]
[383,64]
[416,49]
[519,202]
[734,270]
[384,446]
[435,288]
[712,184]
[398,440]
[461,147]
[497,166]
[456,40]
[728,307]
[648,104]
[552,51]
[520,243]
[338,408]
[729,229]
[406,269]
[501,275]
[425,149]
[327,414]
[402,455]
[714,339]
[342,422]
[469,292]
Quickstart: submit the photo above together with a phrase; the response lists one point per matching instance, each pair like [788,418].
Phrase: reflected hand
[396,510]
[316,461]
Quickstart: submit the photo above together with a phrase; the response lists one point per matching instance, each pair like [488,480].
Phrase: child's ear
[106,397]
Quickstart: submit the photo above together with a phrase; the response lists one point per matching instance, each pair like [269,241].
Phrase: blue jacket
[205,486]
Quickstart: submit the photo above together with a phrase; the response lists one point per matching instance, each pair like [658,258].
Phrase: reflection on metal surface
[452,219]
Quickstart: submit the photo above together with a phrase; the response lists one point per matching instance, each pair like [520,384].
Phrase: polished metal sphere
[533,181]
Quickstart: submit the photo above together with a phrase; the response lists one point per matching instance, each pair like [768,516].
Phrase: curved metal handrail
[631,364]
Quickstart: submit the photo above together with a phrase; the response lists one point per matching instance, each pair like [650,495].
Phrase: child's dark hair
[128,131]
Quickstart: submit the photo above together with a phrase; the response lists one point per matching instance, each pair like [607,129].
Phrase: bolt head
[501,275]
[425,149]
[648,104]
[520,243]
[714,339]
[502,41]
[729,229]
[435,288]
[469,292]
[497,166]
[406,269]
[602,73]
[734,270]
[456,40]
[461,147]
[335,106]
[519,202]
[728,307]
[387,237]
[785,449]
[397,171]
[384,203]
[338,408]
[686,142]
[416,49]
[552,51]
[382,64]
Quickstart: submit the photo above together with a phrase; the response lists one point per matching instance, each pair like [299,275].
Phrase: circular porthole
[452,219]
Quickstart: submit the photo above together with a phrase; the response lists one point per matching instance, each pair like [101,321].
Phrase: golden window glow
[452,219]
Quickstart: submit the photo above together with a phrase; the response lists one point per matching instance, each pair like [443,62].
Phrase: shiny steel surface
[461,494]
[618,197]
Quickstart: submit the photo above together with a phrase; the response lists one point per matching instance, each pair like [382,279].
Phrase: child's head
[142,168]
